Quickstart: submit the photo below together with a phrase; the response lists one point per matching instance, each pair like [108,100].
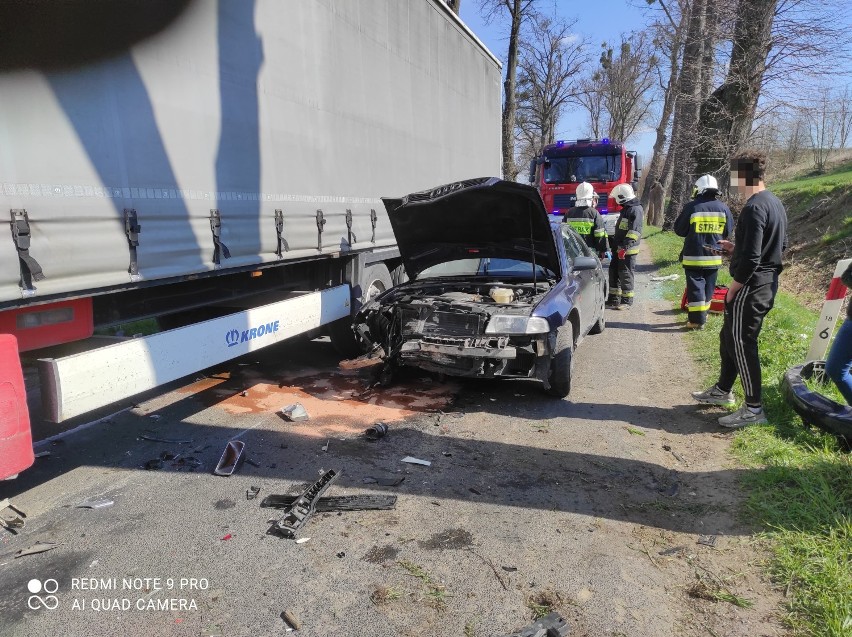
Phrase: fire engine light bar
[560,143]
[605,140]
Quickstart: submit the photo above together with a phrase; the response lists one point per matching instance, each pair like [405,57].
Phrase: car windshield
[509,268]
[601,168]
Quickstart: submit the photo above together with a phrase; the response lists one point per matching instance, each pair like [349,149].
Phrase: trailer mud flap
[77,384]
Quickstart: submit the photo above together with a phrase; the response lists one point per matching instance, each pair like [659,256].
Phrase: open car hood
[484,217]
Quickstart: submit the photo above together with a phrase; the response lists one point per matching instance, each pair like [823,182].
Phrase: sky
[599,21]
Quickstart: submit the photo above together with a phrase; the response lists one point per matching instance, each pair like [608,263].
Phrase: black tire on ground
[562,363]
[375,279]
[600,324]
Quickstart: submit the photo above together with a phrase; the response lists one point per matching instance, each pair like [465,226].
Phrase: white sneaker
[714,396]
[743,417]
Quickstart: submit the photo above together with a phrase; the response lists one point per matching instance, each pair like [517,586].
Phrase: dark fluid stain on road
[449,539]
[381,554]
[221,505]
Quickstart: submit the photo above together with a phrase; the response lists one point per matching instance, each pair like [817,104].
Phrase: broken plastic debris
[295,412]
[673,550]
[251,492]
[43,454]
[670,277]
[168,441]
[707,540]
[379,430]
[325,446]
[232,458]
[291,620]
[411,460]
[509,569]
[96,504]
[227,537]
[38,547]
[302,540]
[155,416]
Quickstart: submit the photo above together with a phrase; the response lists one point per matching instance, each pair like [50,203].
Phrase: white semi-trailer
[223,176]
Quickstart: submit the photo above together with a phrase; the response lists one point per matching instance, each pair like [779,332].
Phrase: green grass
[799,482]
[436,594]
[842,175]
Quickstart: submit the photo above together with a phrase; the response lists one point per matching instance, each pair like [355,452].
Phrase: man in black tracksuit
[703,222]
[760,238]
[625,247]
[587,221]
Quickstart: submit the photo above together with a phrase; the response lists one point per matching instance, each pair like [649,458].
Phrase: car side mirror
[585,263]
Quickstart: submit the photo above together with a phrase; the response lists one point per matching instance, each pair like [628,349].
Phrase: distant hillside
[819,210]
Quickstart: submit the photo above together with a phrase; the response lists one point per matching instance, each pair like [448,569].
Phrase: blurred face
[743,179]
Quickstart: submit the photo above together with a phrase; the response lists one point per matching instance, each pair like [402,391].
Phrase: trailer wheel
[562,363]
[375,279]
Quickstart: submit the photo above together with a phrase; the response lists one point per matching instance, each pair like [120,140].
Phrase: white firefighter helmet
[585,192]
[622,193]
[705,183]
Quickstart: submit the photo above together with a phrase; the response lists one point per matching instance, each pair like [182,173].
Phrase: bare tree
[822,128]
[795,140]
[686,112]
[548,71]
[728,113]
[668,37]
[843,100]
[591,99]
[517,12]
[626,80]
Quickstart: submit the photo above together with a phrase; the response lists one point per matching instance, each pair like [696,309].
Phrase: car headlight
[508,324]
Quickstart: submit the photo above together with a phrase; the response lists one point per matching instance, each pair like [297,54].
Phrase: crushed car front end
[459,328]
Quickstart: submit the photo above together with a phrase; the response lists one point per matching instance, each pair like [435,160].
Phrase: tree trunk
[686,112]
[510,103]
[728,113]
[655,171]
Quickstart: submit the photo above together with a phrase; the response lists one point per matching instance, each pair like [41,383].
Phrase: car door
[586,299]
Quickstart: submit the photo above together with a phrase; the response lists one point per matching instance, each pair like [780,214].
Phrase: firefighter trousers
[700,285]
[621,279]
[738,338]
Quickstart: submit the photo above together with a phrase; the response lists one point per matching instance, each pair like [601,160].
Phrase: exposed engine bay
[443,326]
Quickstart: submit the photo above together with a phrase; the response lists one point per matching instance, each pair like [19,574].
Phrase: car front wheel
[562,363]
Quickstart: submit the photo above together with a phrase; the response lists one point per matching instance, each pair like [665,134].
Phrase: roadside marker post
[828,317]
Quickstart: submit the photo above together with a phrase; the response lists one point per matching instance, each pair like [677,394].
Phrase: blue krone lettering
[245,336]
[261,330]
[275,326]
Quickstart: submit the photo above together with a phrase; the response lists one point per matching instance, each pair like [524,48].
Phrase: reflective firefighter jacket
[703,222]
[588,223]
[628,228]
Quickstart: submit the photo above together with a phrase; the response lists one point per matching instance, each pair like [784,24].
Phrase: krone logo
[232,338]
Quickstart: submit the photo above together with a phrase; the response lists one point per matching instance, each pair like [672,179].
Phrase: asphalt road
[593,505]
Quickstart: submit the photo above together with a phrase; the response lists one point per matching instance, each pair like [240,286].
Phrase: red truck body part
[563,165]
[16,443]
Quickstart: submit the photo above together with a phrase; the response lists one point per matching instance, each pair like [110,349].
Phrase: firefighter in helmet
[625,246]
[702,222]
[586,220]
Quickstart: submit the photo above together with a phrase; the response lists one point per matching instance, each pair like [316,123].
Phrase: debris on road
[297,515]
[509,569]
[670,277]
[43,454]
[474,491]
[707,540]
[153,465]
[232,458]
[12,524]
[168,441]
[551,625]
[335,503]
[302,540]
[95,504]
[325,446]
[38,547]
[253,463]
[227,537]
[251,492]
[290,619]
[379,430]
[411,460]
[295,412]
[341,554]
[672,551]
[375,356]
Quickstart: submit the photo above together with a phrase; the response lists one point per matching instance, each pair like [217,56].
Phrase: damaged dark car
[496,289]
